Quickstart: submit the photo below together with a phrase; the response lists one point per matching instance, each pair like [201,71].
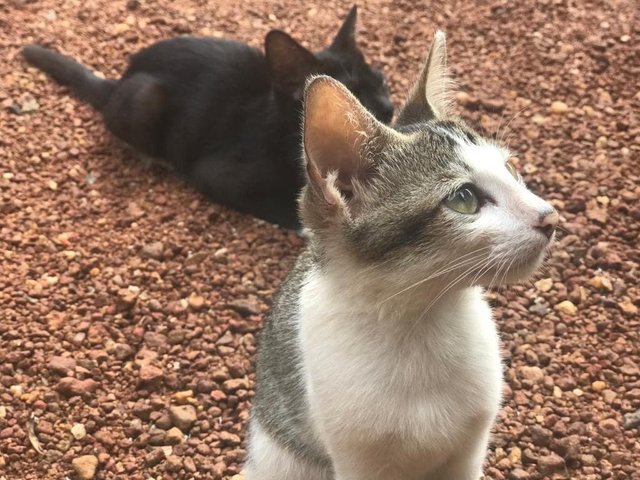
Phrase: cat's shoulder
[292,284]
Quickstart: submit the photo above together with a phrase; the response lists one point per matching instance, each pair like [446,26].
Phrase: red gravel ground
[129,305]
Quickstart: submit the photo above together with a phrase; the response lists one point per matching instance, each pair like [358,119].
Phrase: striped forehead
[481,158]
[464,150]
[454,133]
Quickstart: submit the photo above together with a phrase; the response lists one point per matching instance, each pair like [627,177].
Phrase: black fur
[224,115]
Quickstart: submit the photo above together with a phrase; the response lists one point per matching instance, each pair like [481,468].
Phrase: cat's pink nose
[547,222]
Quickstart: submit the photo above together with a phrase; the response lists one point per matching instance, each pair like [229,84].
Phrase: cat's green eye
[465,200]
[512,169]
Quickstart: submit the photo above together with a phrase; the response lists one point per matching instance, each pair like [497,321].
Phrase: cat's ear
[338,134]
[289,63]
[345,40]
[429,96]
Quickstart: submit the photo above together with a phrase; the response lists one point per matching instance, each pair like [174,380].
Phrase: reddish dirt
[125,295]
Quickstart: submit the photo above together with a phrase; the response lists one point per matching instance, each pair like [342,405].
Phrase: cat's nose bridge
[536,210]
[541,215]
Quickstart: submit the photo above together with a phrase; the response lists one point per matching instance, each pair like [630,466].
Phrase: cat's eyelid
[483,197]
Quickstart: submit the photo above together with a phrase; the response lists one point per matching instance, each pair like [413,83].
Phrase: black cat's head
[290,64]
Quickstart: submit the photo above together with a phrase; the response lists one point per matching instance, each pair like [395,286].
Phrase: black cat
[224,115]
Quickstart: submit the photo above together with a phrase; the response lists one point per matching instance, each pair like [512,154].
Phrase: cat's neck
[374,289]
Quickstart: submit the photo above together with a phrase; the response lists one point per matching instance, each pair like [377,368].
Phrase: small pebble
[183,416]
[85,466]
[567,308]
[559,107]
[78,431]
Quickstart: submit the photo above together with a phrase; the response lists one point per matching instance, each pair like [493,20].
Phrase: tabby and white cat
[380,358]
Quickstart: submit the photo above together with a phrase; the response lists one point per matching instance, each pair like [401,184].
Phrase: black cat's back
[180,94]
[222,121]
[184,61]
[207,107]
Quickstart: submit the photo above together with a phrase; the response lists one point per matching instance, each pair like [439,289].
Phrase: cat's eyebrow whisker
[438,273]
[495,137]
[514,117]
[347,72]
[510,133]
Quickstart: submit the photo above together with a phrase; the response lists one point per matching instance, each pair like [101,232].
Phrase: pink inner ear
[335,126]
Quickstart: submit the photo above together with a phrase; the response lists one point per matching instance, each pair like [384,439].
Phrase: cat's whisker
[501,285]
[448,267]
[482,264]
[497,272]
[506,271]
[431,277]
[481,271]
[504,274]
[422,316]
[438,273]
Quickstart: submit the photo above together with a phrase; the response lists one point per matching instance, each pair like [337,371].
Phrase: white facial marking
[491,176]
[511,213]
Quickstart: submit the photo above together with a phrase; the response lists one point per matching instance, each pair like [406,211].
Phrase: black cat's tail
[82,82]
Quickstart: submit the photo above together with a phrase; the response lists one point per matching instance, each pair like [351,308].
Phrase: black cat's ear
[345,40]
[429,96]
[338,136]
[289,63]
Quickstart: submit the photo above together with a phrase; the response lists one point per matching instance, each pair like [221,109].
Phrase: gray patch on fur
[401,211]
[280,405]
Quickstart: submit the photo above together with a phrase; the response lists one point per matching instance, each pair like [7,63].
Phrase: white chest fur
[391,389]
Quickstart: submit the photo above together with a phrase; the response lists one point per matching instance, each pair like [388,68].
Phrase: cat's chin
[521,270]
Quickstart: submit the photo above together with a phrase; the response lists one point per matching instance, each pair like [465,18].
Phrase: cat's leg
[135,112]
[466,463]
[353,461]
[369,469]
[267,460]
[371,462]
